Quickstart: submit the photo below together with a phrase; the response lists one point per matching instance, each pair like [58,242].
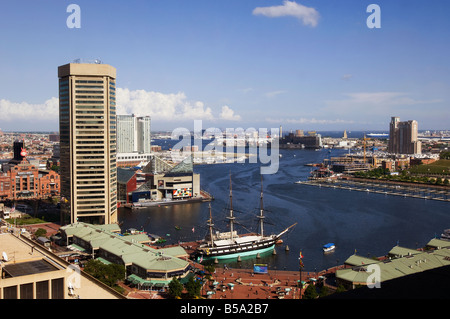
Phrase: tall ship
[226,245]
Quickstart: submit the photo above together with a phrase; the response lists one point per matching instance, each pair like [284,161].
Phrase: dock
[383,187]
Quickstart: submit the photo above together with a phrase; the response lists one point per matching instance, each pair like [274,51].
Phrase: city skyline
[312,65]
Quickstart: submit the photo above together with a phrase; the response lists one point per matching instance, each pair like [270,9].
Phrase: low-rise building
[143,263]
[172,182]
[22,178]
[126,184]
[401,262]
[30,271]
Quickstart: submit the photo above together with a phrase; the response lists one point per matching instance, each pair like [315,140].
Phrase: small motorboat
[328,247]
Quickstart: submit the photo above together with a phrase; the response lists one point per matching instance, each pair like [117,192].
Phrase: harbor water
[366,223]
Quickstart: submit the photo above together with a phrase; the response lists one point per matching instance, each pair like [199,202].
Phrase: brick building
[49,184]
[19,179]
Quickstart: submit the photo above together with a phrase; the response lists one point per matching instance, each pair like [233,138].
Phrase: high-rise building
[144,134]
[403,137]
[133,134]
[87,117]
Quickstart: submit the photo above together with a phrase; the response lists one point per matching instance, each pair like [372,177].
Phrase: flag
[301,256]
[193,229]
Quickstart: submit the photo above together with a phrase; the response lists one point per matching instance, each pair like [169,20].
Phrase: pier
[385,187]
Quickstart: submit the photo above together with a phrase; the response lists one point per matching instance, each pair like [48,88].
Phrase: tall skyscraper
[403,137]
[87,119]
[133,134]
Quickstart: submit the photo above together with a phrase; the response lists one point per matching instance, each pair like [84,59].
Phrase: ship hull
[234,251]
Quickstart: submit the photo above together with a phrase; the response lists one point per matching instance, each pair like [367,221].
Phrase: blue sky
[303,64]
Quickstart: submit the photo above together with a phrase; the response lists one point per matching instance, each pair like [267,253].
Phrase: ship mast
[210,224]
[261,210]
[231,218]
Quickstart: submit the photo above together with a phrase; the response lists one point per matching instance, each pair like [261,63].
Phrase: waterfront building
[403,137]
[87,114]
[298,140]
[144,264]
[126,184]
[392,268]
[165,181]
[132,159]
[133,139]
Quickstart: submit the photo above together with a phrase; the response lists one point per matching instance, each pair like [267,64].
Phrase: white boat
[328,247]
[446,234]
[378,135]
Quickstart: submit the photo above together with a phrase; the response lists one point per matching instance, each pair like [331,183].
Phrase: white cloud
[376,102]
[14,111]
[274,93]
[347,77]
[246,90]
[228,114]
[161,106]
[309,121]
[309,16]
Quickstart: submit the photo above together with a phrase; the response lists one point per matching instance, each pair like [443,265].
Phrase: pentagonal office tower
[87,119]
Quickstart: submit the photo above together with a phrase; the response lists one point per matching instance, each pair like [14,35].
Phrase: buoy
[287,248]
[274,252]
[258,256]
[216,261]
[239,258]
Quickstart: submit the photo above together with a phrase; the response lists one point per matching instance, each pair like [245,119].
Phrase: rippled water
[369,223]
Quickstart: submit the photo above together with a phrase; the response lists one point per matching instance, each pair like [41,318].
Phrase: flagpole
[300,269]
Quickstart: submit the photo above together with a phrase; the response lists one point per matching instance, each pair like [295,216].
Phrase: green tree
[193,288]
[310,292]
[108,274]
[324,291]
[175,288]
[40,232]
[340,288]
[444,155]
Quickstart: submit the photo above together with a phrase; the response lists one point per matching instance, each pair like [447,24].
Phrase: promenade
[422,191]
[243,284]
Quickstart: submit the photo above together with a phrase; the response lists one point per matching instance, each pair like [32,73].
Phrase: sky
[303,64]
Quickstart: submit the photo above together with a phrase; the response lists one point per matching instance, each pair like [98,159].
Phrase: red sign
[23,153]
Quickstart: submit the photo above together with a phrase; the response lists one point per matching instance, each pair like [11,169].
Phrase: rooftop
[130,248]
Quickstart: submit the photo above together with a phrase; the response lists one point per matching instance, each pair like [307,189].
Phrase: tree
[40,232]
[444,155]
[175,288]
[193,288]
[324,291]
[108,274]
[310,292]
[340,288]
